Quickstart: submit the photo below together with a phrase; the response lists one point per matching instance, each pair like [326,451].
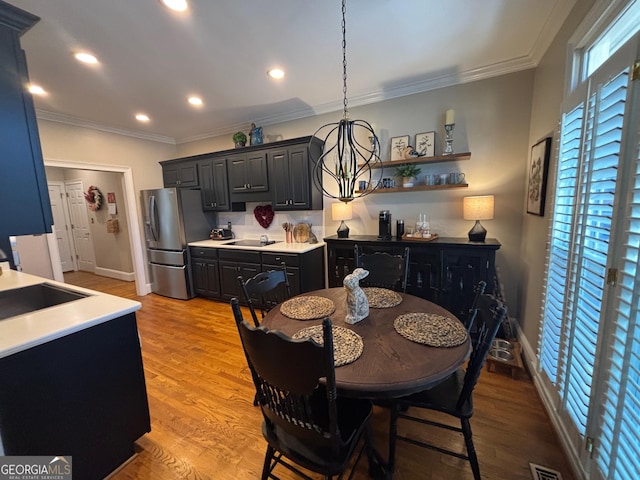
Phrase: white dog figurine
[357,301]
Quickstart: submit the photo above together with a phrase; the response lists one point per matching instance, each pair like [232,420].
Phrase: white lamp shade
[341,211]
[478,207]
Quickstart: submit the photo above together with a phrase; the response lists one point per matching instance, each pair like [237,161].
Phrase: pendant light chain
[344,57]
[345,159]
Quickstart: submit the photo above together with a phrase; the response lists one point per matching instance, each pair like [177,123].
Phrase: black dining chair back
[265,290]
[454,396]
[478,290]
[385,270]
[304,420]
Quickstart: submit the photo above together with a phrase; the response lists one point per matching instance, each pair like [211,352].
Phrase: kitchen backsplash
[245,224]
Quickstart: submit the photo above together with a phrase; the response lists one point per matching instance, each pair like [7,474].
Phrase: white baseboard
[118,275]
[531,360]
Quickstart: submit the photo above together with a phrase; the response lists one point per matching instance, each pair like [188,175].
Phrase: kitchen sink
[251,243]
[35,297]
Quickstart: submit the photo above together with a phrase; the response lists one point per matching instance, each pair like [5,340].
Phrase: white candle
[450,119]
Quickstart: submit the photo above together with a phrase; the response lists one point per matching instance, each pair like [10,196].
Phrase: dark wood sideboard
[443,271]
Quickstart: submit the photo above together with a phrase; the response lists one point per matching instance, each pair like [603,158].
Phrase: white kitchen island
[72,378]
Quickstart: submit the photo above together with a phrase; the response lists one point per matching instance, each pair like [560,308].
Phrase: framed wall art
[398,144]
[538,170]
[425,144]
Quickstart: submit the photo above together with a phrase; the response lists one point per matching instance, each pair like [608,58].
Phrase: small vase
[408,182]
[240,144]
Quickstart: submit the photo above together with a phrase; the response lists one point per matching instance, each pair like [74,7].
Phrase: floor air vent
[539,472]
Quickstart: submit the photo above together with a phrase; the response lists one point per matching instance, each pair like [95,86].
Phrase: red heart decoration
[264,215]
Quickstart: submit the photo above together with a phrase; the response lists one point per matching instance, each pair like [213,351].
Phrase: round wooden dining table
[390,366]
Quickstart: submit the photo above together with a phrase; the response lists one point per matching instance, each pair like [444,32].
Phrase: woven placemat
[307,308]
[347,344]
[430,329]
[382,297]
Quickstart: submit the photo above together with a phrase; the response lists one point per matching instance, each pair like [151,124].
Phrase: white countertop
[278,247]
[35,328]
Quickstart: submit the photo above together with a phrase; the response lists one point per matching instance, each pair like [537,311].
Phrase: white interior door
[81,232]
[62,226]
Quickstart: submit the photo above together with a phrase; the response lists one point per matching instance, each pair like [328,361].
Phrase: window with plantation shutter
[561,228]
[589,350]
[580,243]
[618,455]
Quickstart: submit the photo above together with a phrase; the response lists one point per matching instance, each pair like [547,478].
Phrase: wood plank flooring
[204,426]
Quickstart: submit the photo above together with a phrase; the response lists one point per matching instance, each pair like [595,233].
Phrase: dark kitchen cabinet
[180,174]
[248,179]
[279,172]
[216,270]
[24,196]
[443,271]
[83,394]
[205,271]
[214,184]
[305,270]
[291,170]
[234,262]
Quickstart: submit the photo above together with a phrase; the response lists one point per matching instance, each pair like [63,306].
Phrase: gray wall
[545,115]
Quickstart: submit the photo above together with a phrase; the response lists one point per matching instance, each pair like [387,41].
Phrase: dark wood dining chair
[305,423]
[478,290]
[454,396]
[266,289]
[385,270]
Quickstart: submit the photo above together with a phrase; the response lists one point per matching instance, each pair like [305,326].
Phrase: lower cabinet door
[206,280]
[229,272]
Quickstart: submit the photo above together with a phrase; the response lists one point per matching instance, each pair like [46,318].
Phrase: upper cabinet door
[24,198]
[181,175]
[214,184]
[290,176]
[248,178]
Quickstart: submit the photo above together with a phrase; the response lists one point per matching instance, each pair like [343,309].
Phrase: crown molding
[81,122]
[559,13]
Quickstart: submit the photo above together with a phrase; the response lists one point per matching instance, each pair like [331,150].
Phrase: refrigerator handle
[153,217]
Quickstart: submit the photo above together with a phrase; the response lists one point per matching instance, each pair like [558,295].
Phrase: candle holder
[448,149]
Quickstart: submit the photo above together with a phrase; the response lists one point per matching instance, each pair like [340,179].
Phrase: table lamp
[341,211]
[477,208]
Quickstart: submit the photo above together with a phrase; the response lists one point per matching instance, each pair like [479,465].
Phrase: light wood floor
[204,426]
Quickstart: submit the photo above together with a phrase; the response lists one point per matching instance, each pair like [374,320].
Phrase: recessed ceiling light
[197,101]
[276,73]
[36,89]
[141,117]
[177,5]
[86,57]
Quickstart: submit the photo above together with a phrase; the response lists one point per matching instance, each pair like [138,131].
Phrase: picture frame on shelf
[538,171]
[426,144]
[398,144]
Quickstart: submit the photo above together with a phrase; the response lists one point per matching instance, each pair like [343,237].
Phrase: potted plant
[239,139]
[408,173]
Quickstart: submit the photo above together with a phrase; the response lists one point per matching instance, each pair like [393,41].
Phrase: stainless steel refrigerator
[172,218]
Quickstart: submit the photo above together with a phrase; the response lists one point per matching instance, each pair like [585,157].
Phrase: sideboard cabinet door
[444,271]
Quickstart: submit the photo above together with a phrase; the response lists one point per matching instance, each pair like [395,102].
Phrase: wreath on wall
[93,196]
